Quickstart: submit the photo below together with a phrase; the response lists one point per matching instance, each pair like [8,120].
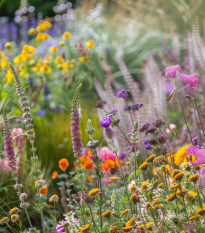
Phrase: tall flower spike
[24,106]
[75,125]
[8,147]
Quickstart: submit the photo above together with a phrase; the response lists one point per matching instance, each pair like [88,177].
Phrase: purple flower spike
[123,94]
[100,104]
[105,122]
[171,72]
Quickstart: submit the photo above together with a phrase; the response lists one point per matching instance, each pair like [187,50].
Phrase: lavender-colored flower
[146,141]
[75,125]
[171,72]
[112,112]
[144,127]
[123,94]
[148,147]
[92,157]
[191,79]
[127,108]
[195,140]
[105,122]
[100,104]
[136,106]
[41,113]
[158,123]
[122,155]
[8,147]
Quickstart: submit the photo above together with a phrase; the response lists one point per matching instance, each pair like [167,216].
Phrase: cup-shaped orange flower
[89,165]
[63,164]
[43,191]
[54,175]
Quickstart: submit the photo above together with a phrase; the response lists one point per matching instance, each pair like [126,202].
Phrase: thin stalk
[131,117]
[100,209]
[28,218]
[42,218]
[93,219]
[199,198]
[10,227]
[183,112]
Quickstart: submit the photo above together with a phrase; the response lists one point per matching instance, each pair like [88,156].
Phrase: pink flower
[171,72]
[19,140]
[3,164]
[191,79]
[200,153]
[172,126]
[105,154]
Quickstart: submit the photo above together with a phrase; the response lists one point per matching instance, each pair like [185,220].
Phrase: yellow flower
[58,60]
[193,178]
[32,32]
[106,214]
[148,205]
[174,186]
[9,76]
[127,229]
[31,63]
[36,69]
[18,59]
[94,192]
[85,228]
[66,35]
[194,217]
[45,69]
[4,220]
[48,57]
[15,210]
[47,24]
[150,158]
[8,45]
[156,202]
[69,65]
[149,225]
[144,166]
[114,179]
[192,194]
[158,159]
[181,156]
[54,49]
[175,172]
[131,222]
[90,178]
[179,176]
[133,189]
[113,229]
[183,192]
[41,28]
[141,227]
[127,163]
[46,62]
[134,198]
[200,211]
[59,66]
[160,185]
[146,186]
[4,63]
[61,43]
[14,217]
[22,67]
[186,166]
[73,61]
[23,74]
[171,197]
[125,212]
[83,59]
[54,198]
[2,54]
[90,44]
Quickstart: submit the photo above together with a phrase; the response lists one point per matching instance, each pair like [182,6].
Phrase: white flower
[74,224]
[39,183]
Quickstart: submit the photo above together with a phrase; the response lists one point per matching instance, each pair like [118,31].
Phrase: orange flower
[88,165]
[43,191]
[109,163]
[89,152]
[55,175]
[63,164]
[75,164]
[90,178]
[83,160]
[117,163]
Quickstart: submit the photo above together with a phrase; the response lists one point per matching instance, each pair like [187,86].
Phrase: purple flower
[146,141]
[123,94]
[92,157]
[105,122]
[127,108]
[100,104]
[195,140]
[148,147]
[191,79]
[172,71]
[133,107]
[112,112]
[60,227]
[144,127]
[122,155]
[41,113]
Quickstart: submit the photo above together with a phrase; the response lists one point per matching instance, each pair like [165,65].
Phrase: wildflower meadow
[102,117]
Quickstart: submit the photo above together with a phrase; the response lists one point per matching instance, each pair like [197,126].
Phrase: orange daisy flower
[88,165]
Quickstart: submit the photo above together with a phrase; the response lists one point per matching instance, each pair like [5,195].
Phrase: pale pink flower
[191,79]
[172,126]
[105,154]
[19,140]
[171,72]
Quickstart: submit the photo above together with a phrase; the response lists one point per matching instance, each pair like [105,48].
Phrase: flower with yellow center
[47,24]
[127,163]
[4,220]
[45,69]
[186,166]
[18,59]
[46,62]
[1,54]
[171,197]
[183,192]
[127,229]
[134,198]
[31,63]
[61,43]
[181,156]
[144,166]
[124,213]
[32,32]
[4,63]
[94,192]
[193,178]
[158,159]
[114,179]
[156,202]
[90,44]
[148,205]
[54,198]
[141,227]
[54,49]
[8,45]
[58,60]
[41,28]
[48,57]
[113,229]
[175,172]
[22,67]
[106,214]
[200,211]
[83,59]
[133,189]
[36,69]
[150,225]
[9,77]
[131,222]
[15,210]
[150,158]
[174,186]
[161,185]
[179,176]
[193,218]
[192,194]
[198,167]
[14,217]
[146,187]
[59,66]
[85,228]
[66,35]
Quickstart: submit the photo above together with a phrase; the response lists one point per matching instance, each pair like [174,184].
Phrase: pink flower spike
[171,72]
[191,79]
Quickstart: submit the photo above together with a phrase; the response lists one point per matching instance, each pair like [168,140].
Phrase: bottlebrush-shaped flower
[191,79]
[75,125]
[171,72]
[8,147]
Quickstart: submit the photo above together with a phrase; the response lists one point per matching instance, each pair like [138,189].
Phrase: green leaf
[129,178]
[63,176]
[61,183]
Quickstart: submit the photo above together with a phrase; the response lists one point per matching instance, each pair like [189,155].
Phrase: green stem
[199,198]
[95,227]
[10,227]
[28,218]
[42,218]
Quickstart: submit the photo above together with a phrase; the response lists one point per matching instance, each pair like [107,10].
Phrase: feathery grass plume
[175,46]
[75,125]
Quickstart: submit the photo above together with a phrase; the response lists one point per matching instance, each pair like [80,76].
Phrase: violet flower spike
[123,94]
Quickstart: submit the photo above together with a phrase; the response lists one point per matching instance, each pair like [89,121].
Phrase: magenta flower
[105,122]
[106,153]
[171,72]
[191,79]
[108,131]
[123,94]
[196,151]
[60,227]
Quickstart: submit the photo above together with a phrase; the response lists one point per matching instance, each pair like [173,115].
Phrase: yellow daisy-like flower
[114,179]
[54,49]
[148,205]
[113,229]
[158,159]
[32,32]
[144,166]
[127,163]
[36,69]
[193,178]
[134,198]
[14,217]
[156,202]
[45,69]
[60,66]
[150,158]
[127,229]
[133,189]
[171,197]
[58,60]
[149,225]
[15,210]
[66,35]
[194,217]
[83,59]
[85,228]
[179,176]
[31,63]
[198,167]
[4,220]
[146,187]
[200,211]
[90,44]
[131,222]
[141,227]
[8,45]
[161,185]
[54,198]
[181,156]
[186,166]
[94,192]
[2,54]
[175,172]
[61,43]
[183,192]
[125,212]
[4,62]
[174,186]
[192,194]
[106,214]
